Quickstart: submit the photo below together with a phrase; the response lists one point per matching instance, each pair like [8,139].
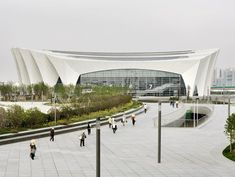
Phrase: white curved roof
[195,66]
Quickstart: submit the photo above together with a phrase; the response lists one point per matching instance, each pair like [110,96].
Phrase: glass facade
[140,81]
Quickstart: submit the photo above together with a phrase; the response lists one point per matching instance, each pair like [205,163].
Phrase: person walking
[32,149]
[52,134]
[177,104]
[145,108]
[133,119]
[113,120]
[88,128]
[124,119]
[114,127]
[110,121]
[82,139]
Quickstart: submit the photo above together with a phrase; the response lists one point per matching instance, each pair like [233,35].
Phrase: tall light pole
[197,111]
[55,107]
[159,131]
[97,147]
[228,106]
[194,103]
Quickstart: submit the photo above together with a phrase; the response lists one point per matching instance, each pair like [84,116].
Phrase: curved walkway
[132,151]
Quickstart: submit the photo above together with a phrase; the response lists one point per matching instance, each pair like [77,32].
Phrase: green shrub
[15,116]
[3,118]
[34,118]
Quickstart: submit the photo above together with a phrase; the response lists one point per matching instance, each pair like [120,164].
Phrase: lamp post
[55,107]
[197,110]
[159,131]
[97,147]
[228,105]
[194,110]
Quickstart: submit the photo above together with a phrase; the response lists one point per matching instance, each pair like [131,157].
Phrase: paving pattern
[131,152]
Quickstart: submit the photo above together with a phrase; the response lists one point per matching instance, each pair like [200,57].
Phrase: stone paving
[131,152]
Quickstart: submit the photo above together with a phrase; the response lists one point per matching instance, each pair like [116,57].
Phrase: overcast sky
[116,25]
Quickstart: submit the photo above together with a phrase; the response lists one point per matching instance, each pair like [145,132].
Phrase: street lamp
[229,105]
[194,110]
[55,107]
[197,109]
[97,147]
[159,131]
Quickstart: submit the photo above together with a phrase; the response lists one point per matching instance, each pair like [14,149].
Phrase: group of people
[112,123]
[174,103]
[82,137]
[52,138]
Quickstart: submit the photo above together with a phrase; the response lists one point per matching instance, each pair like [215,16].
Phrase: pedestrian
[114,127]
[113,120]
[32,148]
[88,128]
[177,104]
[123,120]
[52,134]
[110,121]
[145,108]
[82,139]
[173,104]
[133,119]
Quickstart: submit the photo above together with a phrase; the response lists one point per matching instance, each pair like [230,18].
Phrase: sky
[116,26]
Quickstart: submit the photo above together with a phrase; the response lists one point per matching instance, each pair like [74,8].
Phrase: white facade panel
[46,68]
[22,67]
[32,68]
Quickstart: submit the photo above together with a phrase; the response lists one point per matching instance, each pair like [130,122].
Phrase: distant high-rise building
[226,77]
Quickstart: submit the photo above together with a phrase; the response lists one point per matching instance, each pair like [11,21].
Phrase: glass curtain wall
[141,82]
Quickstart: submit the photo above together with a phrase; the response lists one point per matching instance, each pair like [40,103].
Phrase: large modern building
[147,73]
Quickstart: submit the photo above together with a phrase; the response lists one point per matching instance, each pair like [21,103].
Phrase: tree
[230,129]
[40,89]
[59,89]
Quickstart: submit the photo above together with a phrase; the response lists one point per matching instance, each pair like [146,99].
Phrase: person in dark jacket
[82,139]
[114,127]
[32,149]
[133,119]
[52,134]
[89,128]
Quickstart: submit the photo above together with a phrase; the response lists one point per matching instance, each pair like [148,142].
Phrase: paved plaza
[131,152]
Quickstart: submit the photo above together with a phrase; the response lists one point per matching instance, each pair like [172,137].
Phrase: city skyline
[115,26]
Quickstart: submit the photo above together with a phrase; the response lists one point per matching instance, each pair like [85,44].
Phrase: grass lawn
[228,154]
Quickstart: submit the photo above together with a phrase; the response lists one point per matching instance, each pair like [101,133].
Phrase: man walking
[133,119]
[123,119]
[82,139]
[88,128]
[52,134]
[114,127]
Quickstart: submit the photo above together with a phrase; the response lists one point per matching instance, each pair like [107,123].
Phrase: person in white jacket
[145,108]
[124,119]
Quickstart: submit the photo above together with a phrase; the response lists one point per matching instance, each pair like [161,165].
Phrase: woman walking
[52,134]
